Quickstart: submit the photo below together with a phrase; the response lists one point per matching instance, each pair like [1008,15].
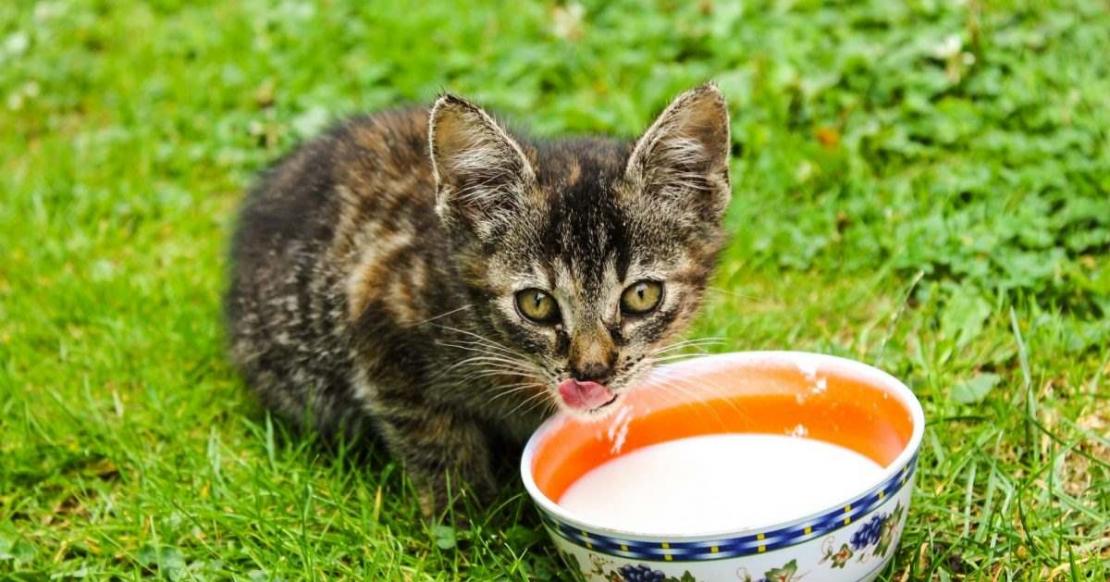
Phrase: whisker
[697,390]
[690,345]
[476,336]
[731,293]
[518,385]
[686,388]
[477,348]
[674,357]
[693,393]
[546,405]
[483,372]
[490,374]
[487,371]
[444,314]
[515,390]
[705,341]
[532,398]
[491,360]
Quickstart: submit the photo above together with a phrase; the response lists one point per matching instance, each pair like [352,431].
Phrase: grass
[920,185]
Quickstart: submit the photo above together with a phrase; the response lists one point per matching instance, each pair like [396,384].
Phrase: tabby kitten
[445,283]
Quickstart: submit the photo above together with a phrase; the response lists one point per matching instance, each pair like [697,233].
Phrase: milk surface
[716,483]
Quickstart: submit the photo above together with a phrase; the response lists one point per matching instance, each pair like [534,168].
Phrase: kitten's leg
[443,453]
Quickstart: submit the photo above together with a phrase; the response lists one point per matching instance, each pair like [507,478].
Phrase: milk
[719,482]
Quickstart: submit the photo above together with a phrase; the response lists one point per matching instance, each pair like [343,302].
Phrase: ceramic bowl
[839,401]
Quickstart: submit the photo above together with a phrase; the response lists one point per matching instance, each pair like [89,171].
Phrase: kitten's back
[318,240]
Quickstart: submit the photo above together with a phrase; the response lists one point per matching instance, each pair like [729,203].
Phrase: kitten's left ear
[683,156]
[481,172]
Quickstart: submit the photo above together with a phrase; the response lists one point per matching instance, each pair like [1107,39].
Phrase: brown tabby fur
[374,271]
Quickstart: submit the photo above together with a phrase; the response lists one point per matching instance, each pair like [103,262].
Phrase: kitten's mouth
[585,397]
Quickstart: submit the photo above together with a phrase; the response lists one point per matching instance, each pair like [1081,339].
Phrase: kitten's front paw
[437,495]
[446,457]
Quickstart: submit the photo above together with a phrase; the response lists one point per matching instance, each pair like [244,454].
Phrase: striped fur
[375,267]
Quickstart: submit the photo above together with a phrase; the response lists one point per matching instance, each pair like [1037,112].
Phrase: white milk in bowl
[718,483]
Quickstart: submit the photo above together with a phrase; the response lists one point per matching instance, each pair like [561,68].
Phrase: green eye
[537,306]
[641,297]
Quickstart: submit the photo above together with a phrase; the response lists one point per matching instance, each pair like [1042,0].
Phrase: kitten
[445,283]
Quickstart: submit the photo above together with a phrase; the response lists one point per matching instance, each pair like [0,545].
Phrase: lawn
[923,186]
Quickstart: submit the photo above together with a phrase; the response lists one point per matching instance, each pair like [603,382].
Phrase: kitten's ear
[683,156]
[481,173]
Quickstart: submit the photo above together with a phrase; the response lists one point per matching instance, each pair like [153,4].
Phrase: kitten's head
[583,258]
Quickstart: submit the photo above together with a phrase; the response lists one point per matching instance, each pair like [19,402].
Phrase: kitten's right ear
[481,173]
[683,157]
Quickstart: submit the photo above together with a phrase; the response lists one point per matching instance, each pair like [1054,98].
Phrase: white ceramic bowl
[840,401]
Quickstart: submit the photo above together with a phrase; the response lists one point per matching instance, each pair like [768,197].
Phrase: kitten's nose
[592,372]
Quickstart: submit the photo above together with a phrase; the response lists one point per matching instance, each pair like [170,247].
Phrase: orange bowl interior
[768,398]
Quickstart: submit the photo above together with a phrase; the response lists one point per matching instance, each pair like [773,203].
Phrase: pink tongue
[584,395]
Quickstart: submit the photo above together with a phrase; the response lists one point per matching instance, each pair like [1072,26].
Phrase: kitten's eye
[537,306]
[641,297]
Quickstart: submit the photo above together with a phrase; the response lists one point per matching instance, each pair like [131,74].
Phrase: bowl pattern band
[691,551]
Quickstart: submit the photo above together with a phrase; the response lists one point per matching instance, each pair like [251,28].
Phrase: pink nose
[584,395]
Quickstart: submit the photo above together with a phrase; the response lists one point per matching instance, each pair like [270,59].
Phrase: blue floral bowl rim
[804,360]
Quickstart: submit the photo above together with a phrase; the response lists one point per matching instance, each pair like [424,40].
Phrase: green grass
[922,186]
